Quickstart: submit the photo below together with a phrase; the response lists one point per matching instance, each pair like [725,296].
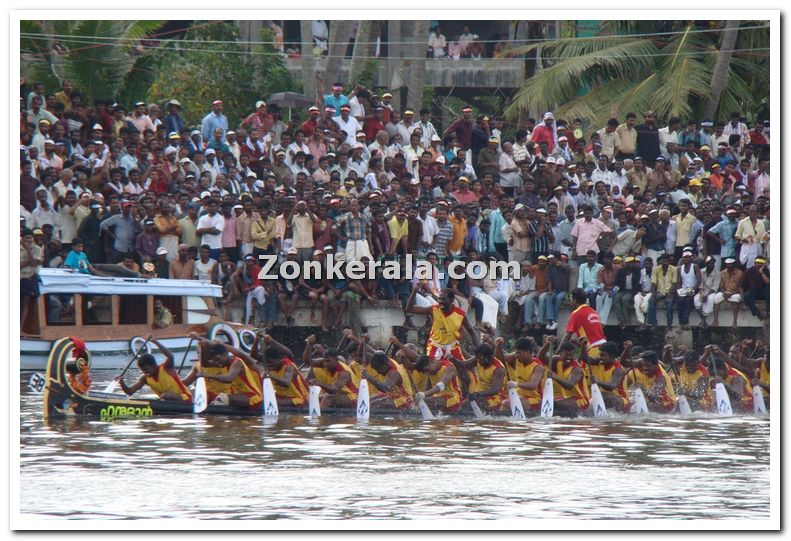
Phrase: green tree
[212,66]
[633,66]
[98,56]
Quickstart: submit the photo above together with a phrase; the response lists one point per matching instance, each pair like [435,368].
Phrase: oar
[184,357]
[314,407]
[476,410]
[640,407]
[597,406]
[425,411]
[517,412]
[759,406]
[111,386]
[548,399]
[200,396]
[37,382]
[721,399]
[270,399]
[363,401]
[683,403]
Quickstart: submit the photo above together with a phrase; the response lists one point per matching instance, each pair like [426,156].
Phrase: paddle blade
[548,399]
[597,406]
[111,387]
[640,407]
[200,397]
[314,408]
[722,400]
[683,406]
[476,410]
[517,412]
[36,383]
[270,399]
[759,406]
[425,411]
[363,401]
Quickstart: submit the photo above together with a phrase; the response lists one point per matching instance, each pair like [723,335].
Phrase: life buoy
[246,339]
[137,342]
[224,333]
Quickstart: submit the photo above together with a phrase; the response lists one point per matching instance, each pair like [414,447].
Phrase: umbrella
[289,99]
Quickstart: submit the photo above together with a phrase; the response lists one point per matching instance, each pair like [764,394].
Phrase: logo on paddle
[546,410]
[36,383]
[271,409]
[362,409]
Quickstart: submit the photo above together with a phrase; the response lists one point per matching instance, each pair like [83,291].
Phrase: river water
[650,467]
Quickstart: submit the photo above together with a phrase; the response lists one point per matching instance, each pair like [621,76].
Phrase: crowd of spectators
[639,216]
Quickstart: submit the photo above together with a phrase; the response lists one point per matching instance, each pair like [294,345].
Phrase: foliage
[271,73]
[624,71]
[366,73]
[200,73]
[76,50]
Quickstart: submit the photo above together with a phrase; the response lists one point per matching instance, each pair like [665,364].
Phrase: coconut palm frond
[567,48]
[737,95]
[688,79]
[637,98]
[561,82]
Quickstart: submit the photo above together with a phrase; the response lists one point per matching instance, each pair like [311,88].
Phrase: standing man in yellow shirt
[399,232]
[459,223]
[750,233]
[684,222]
[663,288]
[628,136]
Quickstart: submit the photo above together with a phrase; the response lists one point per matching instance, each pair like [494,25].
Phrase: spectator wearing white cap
[213,120]
[140,120]
[259,119]
[706,297]
[730,290]
[348,124]
[234,147]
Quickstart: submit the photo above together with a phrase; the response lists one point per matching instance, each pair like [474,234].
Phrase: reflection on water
[297,468]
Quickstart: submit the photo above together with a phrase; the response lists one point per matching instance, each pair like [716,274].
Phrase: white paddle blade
[640,407]
[476,410]
[36,383]
[314,408]
[517,412]
[200,398]
[759,406]
[363,401]
[270,399]
[683,406]
[111,387]
[722,400]
[425,411]
[548,399]
[597,406]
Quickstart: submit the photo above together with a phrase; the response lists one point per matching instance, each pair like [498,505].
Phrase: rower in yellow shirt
[488,384]
[571,391]
[243,375]
[214,388]
[761,378]
[391,380]
[336,379]
[525,373]
[291,388]
[609,374]
[655,383]
[442,387]
[692,380]
[736,384]
[162,379]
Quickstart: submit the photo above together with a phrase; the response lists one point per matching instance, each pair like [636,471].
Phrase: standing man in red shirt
[584,321]
[260,119]
[462,128]
[310,125]
[546,133]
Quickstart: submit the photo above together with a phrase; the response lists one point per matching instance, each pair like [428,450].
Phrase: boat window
[60,309]
[172,303]
[197,311]
[133,309]
[97,310]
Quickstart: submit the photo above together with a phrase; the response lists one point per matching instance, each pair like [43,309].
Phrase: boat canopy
[68,281]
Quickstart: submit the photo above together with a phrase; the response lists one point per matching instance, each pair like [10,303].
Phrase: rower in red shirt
[584,321]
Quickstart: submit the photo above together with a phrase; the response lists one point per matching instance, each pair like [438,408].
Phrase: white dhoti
[721,296]
[259,294]
[748,254]
[357,249]
[641,306]
[171,244]
[490,307]
[707,307]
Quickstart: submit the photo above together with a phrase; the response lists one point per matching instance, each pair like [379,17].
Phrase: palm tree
[96,55]
[632,66]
